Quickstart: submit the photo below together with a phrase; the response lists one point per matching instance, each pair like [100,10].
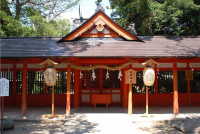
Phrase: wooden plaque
[130,76]
[188,75]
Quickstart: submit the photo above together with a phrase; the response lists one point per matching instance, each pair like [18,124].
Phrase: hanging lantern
[50,76]
[148,76]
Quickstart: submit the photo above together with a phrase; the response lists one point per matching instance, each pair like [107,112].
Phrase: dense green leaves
[159,17]
[40,27]
[12,27]
[34,17]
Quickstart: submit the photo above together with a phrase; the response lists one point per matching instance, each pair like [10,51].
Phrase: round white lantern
[148,76]
[50,76]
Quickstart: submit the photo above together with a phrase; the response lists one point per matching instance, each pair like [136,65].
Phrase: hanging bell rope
[98,66]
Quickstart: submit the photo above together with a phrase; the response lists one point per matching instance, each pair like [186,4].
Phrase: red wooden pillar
[188,86]
[14,84]
[156,85]
[24,82]
[45,91]
[76,87]
[175,86]
[68,90]
[101,79]
[125,89]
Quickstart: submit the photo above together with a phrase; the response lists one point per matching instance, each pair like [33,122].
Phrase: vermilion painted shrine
[101,41]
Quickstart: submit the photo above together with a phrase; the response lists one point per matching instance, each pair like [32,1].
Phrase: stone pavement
[160,113]
[98,120]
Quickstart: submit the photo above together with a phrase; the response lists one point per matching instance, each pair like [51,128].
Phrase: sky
[87,8]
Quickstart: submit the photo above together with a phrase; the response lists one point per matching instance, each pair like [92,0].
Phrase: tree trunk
[18,9]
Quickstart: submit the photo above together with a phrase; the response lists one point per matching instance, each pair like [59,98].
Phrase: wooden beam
[100,60]
[100,35]
[24,83]
[125,90]
[76,87]
[68,90]
[14,84]
[130,100]
[107,61]
[175,86]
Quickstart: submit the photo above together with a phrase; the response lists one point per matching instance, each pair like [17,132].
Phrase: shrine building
[100,41]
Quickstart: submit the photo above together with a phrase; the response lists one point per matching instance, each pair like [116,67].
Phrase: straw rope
[98,66]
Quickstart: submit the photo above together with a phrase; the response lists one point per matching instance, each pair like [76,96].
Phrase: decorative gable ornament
[148,76]
[100,25]
[50,76]
[99,7]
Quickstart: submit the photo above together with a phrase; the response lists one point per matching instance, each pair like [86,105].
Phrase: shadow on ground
[166,126]
[77,124]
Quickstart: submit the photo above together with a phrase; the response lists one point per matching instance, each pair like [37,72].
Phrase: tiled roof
[154,46]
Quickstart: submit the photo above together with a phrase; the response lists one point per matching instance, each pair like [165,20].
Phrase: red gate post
[68,90]
[76,88]
[45,91]
[175,86]
[188,86]
[125,90]
[24,81]
[14,84]
[156,84]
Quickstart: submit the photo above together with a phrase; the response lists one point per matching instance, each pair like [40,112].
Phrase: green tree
[48,8]
[98,2]
[11,27]
[59,27]
[175,17]
[34,17]
[132,11]
[159,17]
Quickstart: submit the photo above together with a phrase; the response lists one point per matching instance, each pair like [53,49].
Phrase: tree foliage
[12,27]
[41,27]
[159,17]
[50,9]
[34,17]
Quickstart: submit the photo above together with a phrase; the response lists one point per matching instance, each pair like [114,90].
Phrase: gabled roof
[155,46]
[99,15]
